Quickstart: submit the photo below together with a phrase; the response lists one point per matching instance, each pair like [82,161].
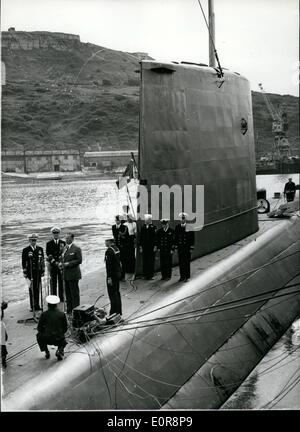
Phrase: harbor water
[87,207]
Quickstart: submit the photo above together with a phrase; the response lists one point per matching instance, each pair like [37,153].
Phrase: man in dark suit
[113,275]
[165,245]
[184,242]
[54,250]
[121,236]
[51,328]
[33,269]
[71,260]
[148,246]
[289,190]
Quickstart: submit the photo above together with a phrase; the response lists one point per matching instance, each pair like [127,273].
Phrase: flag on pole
[128,174]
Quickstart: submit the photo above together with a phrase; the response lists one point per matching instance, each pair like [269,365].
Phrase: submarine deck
[25,361]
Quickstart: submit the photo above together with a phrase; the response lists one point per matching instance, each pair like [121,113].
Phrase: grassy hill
[83,96]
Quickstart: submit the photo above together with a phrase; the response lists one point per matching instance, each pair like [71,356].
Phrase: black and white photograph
[150,177]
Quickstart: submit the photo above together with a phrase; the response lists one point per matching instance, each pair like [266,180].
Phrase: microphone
[30,254]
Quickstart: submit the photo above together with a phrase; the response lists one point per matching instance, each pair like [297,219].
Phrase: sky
[257,38]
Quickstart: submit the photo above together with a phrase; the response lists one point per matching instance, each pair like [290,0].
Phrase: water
[86,207]
[275,382]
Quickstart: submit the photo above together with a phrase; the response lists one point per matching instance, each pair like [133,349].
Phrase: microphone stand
[40,285]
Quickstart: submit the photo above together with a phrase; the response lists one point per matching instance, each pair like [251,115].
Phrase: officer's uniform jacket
[165,240]
[184,239]
[148,237]
[54,251]
[112,262]
[73,257]
[120,235]
[35,263]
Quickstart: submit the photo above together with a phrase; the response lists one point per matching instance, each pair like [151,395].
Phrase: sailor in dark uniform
[165,245]
[121,236]
[33,270]
[184,242]
[113,275]
[148,247]
[51,328]
[289,190]
[54,250]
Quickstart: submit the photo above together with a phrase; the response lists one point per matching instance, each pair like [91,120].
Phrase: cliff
[62,93]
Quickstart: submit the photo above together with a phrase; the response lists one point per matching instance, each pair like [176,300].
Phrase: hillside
[62,93]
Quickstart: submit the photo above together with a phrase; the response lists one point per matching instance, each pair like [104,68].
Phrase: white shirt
[131,227]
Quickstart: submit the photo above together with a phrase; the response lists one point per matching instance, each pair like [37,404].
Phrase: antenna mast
[211,33]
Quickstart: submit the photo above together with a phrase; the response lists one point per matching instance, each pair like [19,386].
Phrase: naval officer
[184,242]
[165,245]
[148,246]
[54,250]
[121,236]
[113,275]
[33,269]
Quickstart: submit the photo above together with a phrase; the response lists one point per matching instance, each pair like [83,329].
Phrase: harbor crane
[281,147]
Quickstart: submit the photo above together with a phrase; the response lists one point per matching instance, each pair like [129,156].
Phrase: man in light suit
[72,258]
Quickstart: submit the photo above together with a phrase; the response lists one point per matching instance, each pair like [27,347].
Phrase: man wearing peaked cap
[52,327]
[121,236]
[165,245]
[148,246]
[54,250]
[33,270]
[113,275]
[184,242]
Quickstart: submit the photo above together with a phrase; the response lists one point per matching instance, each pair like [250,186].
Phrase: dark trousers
[184,258]
[114,296]
[166,264]
[130,265]
[44,340]
[290,195]
[123,259]
[3,354]
[148,263]
[34,292]
[72,294]
[56,276]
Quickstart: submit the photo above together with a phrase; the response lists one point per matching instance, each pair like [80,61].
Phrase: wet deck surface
[25,361]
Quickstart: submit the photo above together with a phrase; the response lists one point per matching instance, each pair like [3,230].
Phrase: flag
[128,174]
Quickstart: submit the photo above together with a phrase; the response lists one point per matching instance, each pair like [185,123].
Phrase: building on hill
[107,160]
[30,161]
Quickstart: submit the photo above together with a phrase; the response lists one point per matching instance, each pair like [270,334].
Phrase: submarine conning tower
[196,128]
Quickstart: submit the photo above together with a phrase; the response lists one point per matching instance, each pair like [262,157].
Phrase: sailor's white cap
[52,299]
[32,236]
[111,239]
[147,216]
[55,230]
[183,214]
[165,220]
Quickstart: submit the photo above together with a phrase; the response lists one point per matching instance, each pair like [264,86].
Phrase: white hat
[165,220]
[55,230]
[32,236]
[183,214]
[148,216]
[52,299]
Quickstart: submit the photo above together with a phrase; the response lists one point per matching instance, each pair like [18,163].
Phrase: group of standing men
[64,259]
[120,254]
